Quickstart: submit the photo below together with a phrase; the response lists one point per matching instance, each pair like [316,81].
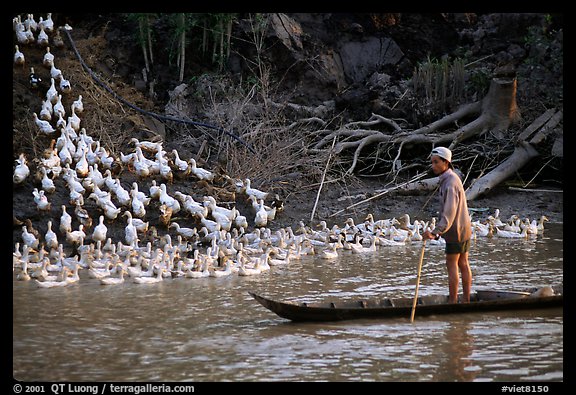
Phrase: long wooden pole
[322,181]
[416,177]
[418,281]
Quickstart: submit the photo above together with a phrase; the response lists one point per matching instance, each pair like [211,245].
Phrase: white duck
[58,283]
[164,168]
[51,240]
[22,36]
[214,208]
[130,233]
[541,223]
[513,225]
[65,154]
[74,120]
[270,211]
[46,111]
[155,191]
[480,229]
[44,127]
[47,182]
[357,246]
[100,231]
[48,59]
[91,156]
[31,22]
[261,218]
[188,233]
[138,207]
[52,92]
[510,234]
[19,59]
[244,270]
[78,105]
[329,253]
[140,165]
[106,159]
[211,226]
[29,34]
[258,194]
[496,218]
[48,23]
[190,205]
[110,210]
[58,107]
[182,165]
[222,273]
[150,280]
[23,275]
[115,280]
[241,222]
[99,268]
[42,40]
[65,221]
[81,167]
[29,239]
[140,195]
[416,236]
[199,172]
[531,225]
[55,72]
[127,159]
[96,176]
[76,236]
[74,277]
[21,171]
[203,270]
[18,256]
[139,224]
[168,200]
[41,200]
[148,146]
[121,193]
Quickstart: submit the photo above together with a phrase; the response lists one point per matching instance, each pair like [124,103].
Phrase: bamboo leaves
[208,35]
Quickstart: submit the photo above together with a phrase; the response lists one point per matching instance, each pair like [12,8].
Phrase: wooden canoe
[401,307]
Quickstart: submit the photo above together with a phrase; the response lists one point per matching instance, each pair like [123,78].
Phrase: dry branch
[496,111]
[466,110]
[321,111]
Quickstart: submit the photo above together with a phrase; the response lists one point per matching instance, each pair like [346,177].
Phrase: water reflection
[456,348]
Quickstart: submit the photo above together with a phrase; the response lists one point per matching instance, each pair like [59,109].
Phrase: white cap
[442,152]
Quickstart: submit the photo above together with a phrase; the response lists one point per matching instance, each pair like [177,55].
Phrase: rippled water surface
[212,330]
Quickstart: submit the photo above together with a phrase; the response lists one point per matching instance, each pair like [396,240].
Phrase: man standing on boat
[453,225]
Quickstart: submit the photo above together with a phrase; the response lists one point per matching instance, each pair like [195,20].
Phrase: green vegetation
[438,84]
[207,36]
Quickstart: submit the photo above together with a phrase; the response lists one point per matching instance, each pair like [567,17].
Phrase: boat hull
[401,307]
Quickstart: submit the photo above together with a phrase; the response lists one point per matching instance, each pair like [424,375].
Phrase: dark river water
[211,329]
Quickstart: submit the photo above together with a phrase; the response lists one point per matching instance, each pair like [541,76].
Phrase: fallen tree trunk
[523,153]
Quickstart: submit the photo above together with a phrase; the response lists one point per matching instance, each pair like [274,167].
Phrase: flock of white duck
[223,244]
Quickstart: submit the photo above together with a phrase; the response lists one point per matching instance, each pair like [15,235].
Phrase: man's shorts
[458,248]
